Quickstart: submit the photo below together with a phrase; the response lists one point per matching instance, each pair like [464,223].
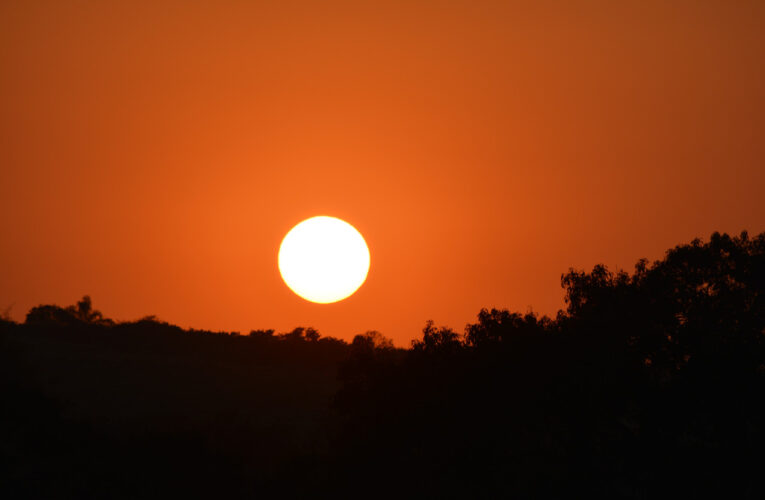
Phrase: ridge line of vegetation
[649,384]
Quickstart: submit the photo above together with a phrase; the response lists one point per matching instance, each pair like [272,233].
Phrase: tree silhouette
[649,381]
[302,333]
[501,327]
[372,340]
[83,312]
[648,385]
[437,340]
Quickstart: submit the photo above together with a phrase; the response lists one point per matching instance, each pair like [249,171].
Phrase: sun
[324,259]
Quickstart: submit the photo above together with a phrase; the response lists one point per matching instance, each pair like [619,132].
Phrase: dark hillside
[158,392]
[127,373]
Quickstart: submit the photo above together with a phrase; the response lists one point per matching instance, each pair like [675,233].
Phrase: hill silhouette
[650,384]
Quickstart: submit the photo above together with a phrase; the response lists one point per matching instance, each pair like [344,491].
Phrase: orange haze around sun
[154,154]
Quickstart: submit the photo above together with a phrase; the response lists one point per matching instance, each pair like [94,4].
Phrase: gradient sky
[153,154]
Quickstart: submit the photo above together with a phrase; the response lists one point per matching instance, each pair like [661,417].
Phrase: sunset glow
[155,154]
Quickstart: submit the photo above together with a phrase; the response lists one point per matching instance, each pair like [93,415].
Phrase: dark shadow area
[650,384]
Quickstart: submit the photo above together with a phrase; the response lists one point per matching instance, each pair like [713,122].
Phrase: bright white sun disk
[324,259]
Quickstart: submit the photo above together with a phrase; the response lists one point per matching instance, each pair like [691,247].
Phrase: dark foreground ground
[649,385]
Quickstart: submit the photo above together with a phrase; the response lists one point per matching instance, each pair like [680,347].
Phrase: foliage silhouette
[650,384]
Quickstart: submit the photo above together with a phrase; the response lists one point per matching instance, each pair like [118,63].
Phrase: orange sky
[153,154]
